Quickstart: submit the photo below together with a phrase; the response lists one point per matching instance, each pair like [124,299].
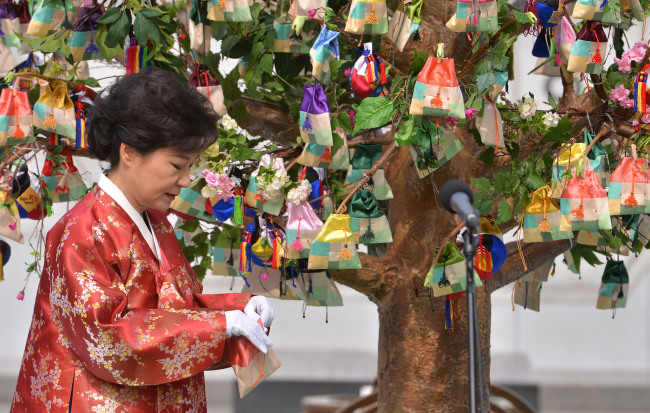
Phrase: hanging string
[579,212]
[297,244]
[345,253]
[598,59]
[631,201]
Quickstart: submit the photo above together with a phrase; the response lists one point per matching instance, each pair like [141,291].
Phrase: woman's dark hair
[149,111]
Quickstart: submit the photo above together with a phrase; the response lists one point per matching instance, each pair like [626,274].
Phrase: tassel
[436,101]
[327,154]
[416,36]
[449,315]
[372,17]
[222,4]
[631,201]
[557,61]
[345,253]
[369,234]
[92,47]
[604,4]
[277,247]
[544,226]
[297,244]
[18,133]
[238,213]
[246,253]
[264,275]
[598,59]
[306,127]
[444,281]
[50,122]
[579,212]
[295,36]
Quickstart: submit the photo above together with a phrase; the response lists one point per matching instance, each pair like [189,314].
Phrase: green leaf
[335,66]
[551,101]
[482,205]
[404,135]
[373,112]
[220,31]
[344,122]
[522,18]
[238,112]
[534,182]
[483,186]
[118,31]
[111,16]
[560,132]
[140,29]
[504,214]
[228,43]
[150,12]
[419,59]
[487,157]
[257,50]
[484,81]
[89,81]
[266,62]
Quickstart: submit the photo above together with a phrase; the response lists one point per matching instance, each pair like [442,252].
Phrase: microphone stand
[470,244]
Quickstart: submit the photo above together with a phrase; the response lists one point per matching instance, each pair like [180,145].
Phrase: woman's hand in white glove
[260,307]
[239,324]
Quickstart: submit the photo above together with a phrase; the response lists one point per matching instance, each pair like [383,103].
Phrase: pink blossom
[619,94]
[347,72]
[640,45]
[623,63]
[628,103]
[645,118]
[210,177]
[635,123]
[312,13]
[636,54]
[451,120]
[12,226]
[469,113]
[21,296]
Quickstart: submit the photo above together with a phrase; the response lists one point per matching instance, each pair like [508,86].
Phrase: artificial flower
[469,113]
[551,119]
[452,121]
[228,123]
[312,13]
[623,63]
[300,193]
[619,94]
[527,108]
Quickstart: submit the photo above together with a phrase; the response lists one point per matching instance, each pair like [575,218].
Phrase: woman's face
[154,180]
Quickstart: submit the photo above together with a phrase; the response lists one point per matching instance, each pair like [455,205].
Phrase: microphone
[457,198]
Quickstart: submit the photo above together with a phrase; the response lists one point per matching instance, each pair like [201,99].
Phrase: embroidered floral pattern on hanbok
[115,329]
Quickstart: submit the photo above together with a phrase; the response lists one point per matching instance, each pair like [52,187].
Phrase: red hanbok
[116,328]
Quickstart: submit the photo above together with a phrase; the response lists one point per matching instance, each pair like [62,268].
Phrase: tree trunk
[422,366]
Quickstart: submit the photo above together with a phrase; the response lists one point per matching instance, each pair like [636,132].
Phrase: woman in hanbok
[120,324]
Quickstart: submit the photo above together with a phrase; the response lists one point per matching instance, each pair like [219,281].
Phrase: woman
[120,324]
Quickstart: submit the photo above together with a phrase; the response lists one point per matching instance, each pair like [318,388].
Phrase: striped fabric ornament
[230,10]
[54,111]
[640,90]
[82,40]
[50,15]
[136,56]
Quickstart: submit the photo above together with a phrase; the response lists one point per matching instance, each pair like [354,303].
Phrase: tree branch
[371,278]
[536,255]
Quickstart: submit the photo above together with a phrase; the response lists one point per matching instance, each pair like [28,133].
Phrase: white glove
[260,307]
[238,324]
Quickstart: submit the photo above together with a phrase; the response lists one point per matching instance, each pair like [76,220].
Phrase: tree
[420,364]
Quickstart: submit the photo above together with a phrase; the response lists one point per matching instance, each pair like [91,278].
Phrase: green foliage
[373,113]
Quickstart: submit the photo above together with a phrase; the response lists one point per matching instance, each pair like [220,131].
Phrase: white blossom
[272,191]
[527,108]
[300,193]
[208,192]
[228,123]
[551,119]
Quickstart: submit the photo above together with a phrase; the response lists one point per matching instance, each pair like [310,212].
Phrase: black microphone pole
[456,197]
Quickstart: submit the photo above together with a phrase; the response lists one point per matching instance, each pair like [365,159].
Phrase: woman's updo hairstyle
[149,111]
